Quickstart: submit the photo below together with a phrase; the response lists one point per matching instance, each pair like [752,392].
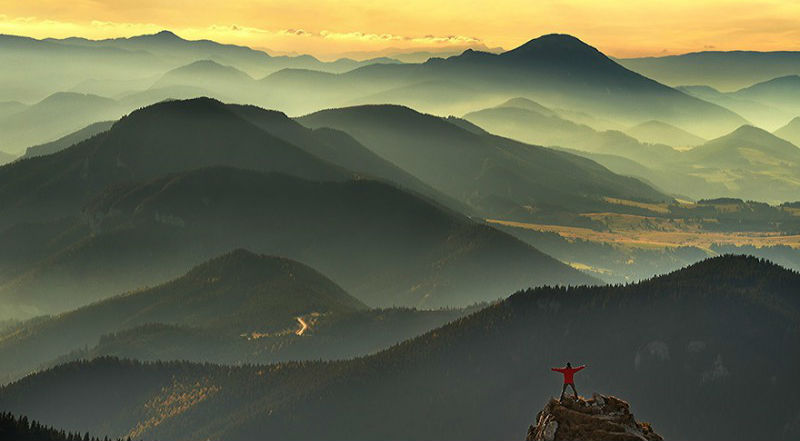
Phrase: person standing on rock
[568,373]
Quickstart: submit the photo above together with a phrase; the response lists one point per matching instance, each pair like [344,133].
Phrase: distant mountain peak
[554,44]
[202,103]
[166,35]
[746,130]
[527,104]
[785,79]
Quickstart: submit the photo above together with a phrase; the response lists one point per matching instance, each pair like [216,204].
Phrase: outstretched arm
[580,368]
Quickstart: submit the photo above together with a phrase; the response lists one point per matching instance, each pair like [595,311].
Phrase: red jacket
[568,373]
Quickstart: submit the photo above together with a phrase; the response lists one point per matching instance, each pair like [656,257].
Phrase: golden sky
[328,27]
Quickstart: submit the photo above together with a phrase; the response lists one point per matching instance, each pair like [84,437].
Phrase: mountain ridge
[482,369]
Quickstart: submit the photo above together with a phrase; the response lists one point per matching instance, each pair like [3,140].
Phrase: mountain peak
[554,44]
[527,104]
[755,137]
[598,418]
[795,122]
[746,130]
[166,35]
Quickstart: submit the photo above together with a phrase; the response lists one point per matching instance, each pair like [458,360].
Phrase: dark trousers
[564,390]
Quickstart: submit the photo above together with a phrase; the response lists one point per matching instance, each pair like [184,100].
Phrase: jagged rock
[600,418]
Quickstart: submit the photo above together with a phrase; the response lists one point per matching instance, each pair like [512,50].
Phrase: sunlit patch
[172,401]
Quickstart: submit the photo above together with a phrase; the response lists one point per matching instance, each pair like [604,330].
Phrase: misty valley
[200,240]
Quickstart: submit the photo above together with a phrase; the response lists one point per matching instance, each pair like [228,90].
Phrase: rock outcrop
[599,418]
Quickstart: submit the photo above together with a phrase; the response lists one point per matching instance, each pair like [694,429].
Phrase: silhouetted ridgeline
[672,345]
[236,308]
[180,182]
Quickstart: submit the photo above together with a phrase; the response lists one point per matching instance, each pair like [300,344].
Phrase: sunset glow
[328,28]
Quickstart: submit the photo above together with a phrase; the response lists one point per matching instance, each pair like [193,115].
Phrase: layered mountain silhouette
[236,293]
[768,104]
[73,65]
[782,93]
[57,115]
[236,308]
[375,245]
[723,150]
[402,250]
[163,138]
[339,148]
[752,163]
[551,68]
[168,46]
[112,67]
[495,176]
[11,107]
[68,140]
[758,113]
[529,121]
[790,132]
[657,132]
[484,375]
[224,82]
[724,70]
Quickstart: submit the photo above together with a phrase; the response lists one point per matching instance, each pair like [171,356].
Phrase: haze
[394,221]
[327,28]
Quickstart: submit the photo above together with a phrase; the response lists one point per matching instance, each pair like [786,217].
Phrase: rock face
[599,418]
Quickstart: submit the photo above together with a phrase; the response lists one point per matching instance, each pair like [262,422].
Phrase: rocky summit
[598,418]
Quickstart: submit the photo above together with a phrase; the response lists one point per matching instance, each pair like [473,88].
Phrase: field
[638,237]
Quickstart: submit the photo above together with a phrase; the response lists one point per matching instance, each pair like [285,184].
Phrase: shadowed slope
[162,138]
[670,344]
[400,249]
[237,292]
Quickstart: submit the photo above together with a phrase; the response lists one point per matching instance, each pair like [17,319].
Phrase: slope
[759,114]
[401,249]
[782,93]
[341,149]
[55,116]
[751,163]
[223,81]
[162,138]
[723,70]
[520,121]
[790,132]
[68,140]
[493,175]
[657,132]
[231,294]
[550,69]
[732,149]
[666,344]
